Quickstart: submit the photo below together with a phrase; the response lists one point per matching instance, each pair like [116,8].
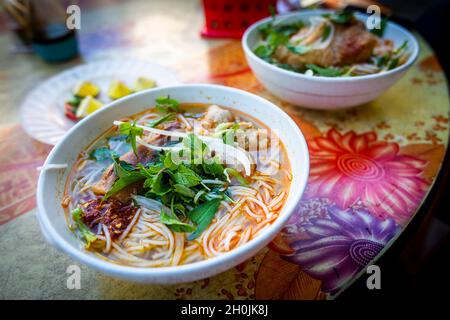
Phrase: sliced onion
[150,204]
[157,148]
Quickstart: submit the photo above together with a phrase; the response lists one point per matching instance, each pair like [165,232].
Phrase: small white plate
[42,111]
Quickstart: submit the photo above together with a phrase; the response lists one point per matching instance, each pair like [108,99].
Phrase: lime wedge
[142,83]
[87,106]
[86,88]
[118,89]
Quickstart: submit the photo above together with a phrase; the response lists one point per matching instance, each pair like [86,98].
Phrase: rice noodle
[108,238]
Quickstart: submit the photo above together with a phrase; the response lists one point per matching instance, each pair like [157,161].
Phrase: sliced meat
[216,115]
[115,215]
[351,44]
[145,155]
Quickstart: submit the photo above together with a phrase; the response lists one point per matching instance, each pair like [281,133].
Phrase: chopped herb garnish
[166,104]
[326,32]
[401,48]
[161,119]
[202,216]
[75,101]
[87,234]
[174,223]
[324,72]
[179,185]
[298,49]
[341,17]
[103,154]
[132,131]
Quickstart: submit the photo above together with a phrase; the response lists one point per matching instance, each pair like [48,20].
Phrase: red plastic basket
[230,18]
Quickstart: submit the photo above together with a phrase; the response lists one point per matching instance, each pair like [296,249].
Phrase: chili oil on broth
[146,241]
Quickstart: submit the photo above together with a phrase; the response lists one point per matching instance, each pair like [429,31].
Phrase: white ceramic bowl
[51,181]
[323,92]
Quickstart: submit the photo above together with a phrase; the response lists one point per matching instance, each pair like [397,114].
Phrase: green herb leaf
[342,17]
[162,119]
[87,234]
[213,168]
[393,63]
[173,223]
[124,181]
[233,172]
[382,61]
[195,149]
[166,104]
[186,176]
[103,154]
[298,49]
[183,190]
[130,129]
[160,184]
[122,168]
[168,162]
[275,39]
[324,72]
[380,31]
[202,216]
[325,33]
[401,48]
[263,51]
[75,101]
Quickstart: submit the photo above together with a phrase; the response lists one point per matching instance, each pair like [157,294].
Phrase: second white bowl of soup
[313,83]
[127,193]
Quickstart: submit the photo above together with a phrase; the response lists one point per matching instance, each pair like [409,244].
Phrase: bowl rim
[130,272]
[307,12]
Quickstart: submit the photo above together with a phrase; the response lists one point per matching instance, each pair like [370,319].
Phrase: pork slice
[215,115]
[350,44]
[353,44]
[145,155]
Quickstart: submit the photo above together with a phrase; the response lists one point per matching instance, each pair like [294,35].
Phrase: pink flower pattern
[347,168]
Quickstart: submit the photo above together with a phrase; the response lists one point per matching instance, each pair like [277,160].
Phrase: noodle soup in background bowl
[319,92]
[56,170]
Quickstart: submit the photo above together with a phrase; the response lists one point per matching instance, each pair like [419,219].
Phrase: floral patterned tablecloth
[371,168]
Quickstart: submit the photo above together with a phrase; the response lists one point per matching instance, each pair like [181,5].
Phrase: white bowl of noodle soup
[56,170]
[327,93]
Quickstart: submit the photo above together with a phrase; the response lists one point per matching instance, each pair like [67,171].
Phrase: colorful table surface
[371,166]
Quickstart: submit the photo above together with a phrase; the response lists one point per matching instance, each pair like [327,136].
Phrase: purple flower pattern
[340,245]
